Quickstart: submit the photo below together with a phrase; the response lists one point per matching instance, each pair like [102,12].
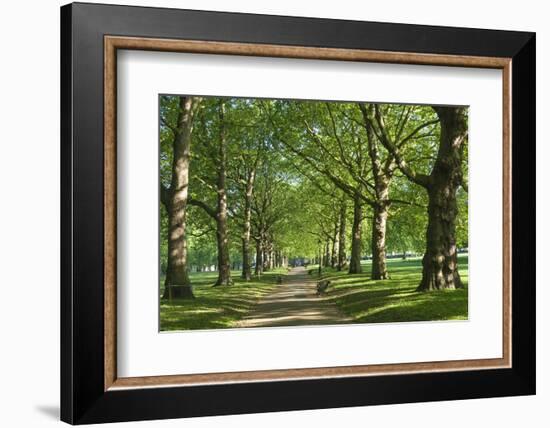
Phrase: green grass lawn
[395,300]
[215,307]
[358,297]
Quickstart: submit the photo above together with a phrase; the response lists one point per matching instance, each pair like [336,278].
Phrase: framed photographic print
[266,213]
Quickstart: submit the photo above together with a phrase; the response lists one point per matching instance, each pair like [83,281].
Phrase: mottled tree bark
[440,268]
[378,242]
[382,173]
[278,259]
[439,264]
[246,274]
[342,236]
[355,261]
[224,271]
[177,284]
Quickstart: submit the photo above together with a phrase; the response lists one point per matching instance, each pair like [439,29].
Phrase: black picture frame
[83,398]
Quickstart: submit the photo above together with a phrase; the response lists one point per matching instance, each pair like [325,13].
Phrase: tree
[213,137]
[396,125]
[407,223]
[330,143]
[268,208]
[382,172]
[224,269]
[251,132]
[249,178]
[439,264]
[307,180]
[342,234]
[311,133]
[175,198]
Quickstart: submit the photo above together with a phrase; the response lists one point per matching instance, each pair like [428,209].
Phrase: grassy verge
[395,300]
[215,307]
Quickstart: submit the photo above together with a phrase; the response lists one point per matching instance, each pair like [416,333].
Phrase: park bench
[322,287]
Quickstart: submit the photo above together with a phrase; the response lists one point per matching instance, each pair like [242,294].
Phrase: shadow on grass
[396,299]
[361,299]
[445,305]
[215,307]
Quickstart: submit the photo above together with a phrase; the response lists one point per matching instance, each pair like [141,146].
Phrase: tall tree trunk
[440,268]
[320,269]
[342,235]
[355,262]
[259,258]
[246,274]
[378,244]
[265,256]
[177,284]
[334,251]
[278,258]
[247,269]
[379,223]
[224,271]
[382,176]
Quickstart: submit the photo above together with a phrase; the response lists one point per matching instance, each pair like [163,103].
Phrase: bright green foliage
[308,158]
[310,154]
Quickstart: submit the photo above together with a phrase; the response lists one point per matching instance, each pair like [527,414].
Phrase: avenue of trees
[252,184]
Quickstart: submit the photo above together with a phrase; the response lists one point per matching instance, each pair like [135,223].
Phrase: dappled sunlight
[214,307]
[262,302]
[294,303]
[396,299]
[197,311]
[416,310]
[250,187]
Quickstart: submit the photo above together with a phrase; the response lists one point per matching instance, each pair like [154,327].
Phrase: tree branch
[325,170]
[206,184]
[416,130]
[209,210]
[400,201]
[420,179]
[403,120]
[201,234]
[338,140]
[170,127]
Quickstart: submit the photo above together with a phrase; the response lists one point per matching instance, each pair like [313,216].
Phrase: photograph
[289,212]
[263,211]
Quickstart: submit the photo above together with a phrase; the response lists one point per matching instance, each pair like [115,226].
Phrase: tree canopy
[263,183]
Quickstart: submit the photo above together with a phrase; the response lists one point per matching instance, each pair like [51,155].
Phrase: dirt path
[293,303]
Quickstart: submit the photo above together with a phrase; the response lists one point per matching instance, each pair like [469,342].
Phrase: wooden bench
[322,287]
